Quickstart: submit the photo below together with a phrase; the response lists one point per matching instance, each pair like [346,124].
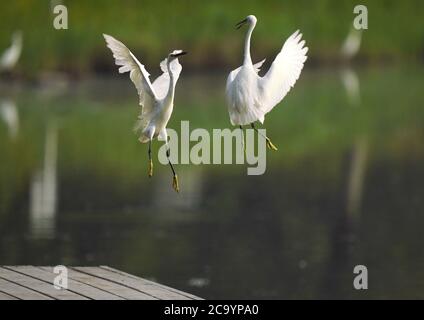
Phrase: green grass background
[205,29]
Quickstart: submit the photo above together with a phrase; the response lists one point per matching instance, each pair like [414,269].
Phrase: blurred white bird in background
[250,96]
[156,99]
[348,52]
[352,44]
[11,55]
[9,114]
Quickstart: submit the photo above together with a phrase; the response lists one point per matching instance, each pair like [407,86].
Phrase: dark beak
[241,23]
[180,54]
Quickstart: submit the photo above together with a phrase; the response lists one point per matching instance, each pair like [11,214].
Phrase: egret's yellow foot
[150,168]
[270,145]
[175,184]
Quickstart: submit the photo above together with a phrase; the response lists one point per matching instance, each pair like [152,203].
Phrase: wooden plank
[139,284]
[106,285]
[73,285]
[188,295]
[38,285]
[4,296]
[21,293]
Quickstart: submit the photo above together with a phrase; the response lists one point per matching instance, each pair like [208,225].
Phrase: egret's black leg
[243,144]
[150,160]
[269,144]
[175,183]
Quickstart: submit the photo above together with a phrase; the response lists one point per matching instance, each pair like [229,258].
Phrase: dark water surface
[345,188]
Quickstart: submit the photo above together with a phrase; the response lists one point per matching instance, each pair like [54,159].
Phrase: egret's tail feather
[138,126]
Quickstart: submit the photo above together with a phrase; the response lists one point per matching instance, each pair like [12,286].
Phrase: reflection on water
[350,82]
[359,155]
[43,191]
[356,176]
[164,196]
[345,188]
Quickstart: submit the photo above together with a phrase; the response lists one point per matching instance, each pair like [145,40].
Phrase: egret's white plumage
[11,55]
[156,99]
[250,96]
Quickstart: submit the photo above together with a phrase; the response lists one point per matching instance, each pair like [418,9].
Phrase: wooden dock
[84,283]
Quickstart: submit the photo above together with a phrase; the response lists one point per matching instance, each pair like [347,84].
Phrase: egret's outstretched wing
[138,74]
[161,84]
[283,73]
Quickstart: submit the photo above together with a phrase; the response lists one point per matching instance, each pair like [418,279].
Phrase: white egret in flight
[11,55]
[250,96]
[156,99]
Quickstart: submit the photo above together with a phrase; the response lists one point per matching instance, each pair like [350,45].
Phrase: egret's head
[250,19]
[176,53]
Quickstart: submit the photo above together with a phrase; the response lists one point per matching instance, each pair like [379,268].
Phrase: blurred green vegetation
[205,29]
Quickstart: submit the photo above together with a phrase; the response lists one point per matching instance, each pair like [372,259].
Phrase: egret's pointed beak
[241,23]
[180,54]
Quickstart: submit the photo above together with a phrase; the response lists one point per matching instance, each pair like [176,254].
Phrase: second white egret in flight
[156,99]
[250,96]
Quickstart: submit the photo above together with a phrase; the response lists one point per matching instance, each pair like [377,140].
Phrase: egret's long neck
[171,89]
[247,57]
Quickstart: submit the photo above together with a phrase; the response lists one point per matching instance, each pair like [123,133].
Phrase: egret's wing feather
[138,74]
[258,66]
[174,65]
[283,73]
[161,84]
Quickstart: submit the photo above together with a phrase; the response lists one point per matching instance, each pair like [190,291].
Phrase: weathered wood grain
[106,285]
[40,286]
[188,295]
[4,296]
[73,285]
[151,288]
[84,283]
[21,293]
